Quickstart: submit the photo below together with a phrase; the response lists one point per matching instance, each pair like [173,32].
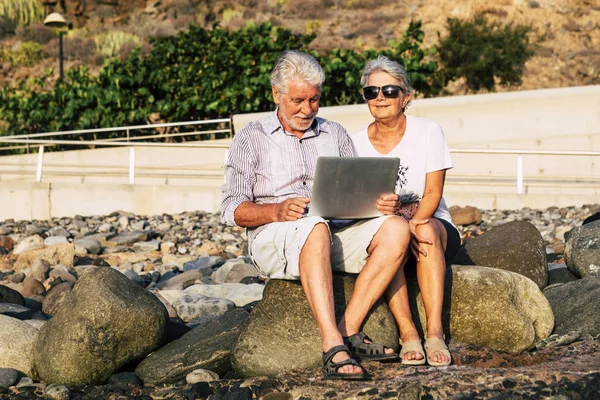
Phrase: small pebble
[201,375]
[57,392]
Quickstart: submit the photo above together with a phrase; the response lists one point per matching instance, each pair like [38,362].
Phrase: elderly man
[269,174]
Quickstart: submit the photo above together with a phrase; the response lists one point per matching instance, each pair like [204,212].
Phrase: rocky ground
[196,233]
[189,257]
[570,371]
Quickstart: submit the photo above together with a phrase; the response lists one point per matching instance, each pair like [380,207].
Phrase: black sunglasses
[389,91]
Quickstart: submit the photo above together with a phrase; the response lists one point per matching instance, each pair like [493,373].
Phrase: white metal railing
[518,180]
[521,153]
[132,146]
[38,139]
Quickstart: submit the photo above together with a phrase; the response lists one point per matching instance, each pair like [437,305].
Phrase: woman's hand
[415,239]
[389,204]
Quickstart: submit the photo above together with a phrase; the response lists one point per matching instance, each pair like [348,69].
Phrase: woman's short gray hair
[393,68]
[296,65]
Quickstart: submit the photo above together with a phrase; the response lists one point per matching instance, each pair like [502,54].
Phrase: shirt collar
[271,124]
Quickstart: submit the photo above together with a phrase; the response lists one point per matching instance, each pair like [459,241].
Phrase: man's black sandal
[330,368]
[368,351]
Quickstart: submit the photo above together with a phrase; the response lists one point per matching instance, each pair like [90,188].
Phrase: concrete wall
[30,200]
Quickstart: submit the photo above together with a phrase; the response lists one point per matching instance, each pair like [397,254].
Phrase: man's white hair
[296,65]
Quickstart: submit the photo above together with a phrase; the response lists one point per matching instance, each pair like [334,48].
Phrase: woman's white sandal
[434,345]
[412,346]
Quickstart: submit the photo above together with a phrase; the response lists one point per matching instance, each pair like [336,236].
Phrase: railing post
[520,174]
[131,165]
[27,138]
[127,134]
[40,164]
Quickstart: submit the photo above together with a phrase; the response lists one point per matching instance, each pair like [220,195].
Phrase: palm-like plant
[21,12]
[110,43]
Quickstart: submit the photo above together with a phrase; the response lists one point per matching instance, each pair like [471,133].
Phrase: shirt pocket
[328,147]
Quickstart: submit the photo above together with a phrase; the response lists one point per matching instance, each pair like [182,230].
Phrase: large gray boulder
[516,246]
[283,335]
[17,339]
[489,307]
[575,306]
[105,322]
[8,295]
[208,346]
[582,250]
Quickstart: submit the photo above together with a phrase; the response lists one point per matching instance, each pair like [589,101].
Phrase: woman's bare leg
[431,271]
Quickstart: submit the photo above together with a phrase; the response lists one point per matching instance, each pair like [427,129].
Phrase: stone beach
[169,306]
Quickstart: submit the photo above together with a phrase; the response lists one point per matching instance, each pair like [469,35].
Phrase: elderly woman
[424,159]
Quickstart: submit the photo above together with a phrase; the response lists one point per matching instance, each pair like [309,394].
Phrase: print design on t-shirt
[401,181]
[409,201]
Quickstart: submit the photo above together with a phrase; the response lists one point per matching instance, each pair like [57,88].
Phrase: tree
[483,52]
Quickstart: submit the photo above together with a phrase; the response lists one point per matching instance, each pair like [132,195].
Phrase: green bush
[483,51]
[27,54]
[194,75]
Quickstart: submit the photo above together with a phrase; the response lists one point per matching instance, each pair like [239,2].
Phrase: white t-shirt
[423,149]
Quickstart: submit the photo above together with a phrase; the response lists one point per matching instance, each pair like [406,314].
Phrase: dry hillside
[566,32]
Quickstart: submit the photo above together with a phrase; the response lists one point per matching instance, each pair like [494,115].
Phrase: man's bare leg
[387,253]
[317,282]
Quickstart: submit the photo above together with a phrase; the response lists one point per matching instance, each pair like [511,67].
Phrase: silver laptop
[348,187]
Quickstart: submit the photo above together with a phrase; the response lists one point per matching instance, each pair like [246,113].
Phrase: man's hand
[415,239]
[291,209]
[389,204]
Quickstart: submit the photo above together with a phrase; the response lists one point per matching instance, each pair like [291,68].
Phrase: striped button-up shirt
[267,165]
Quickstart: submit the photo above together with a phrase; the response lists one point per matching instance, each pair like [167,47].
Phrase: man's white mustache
[311,116]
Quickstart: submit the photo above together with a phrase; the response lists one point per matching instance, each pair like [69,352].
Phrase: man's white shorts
[276,250]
